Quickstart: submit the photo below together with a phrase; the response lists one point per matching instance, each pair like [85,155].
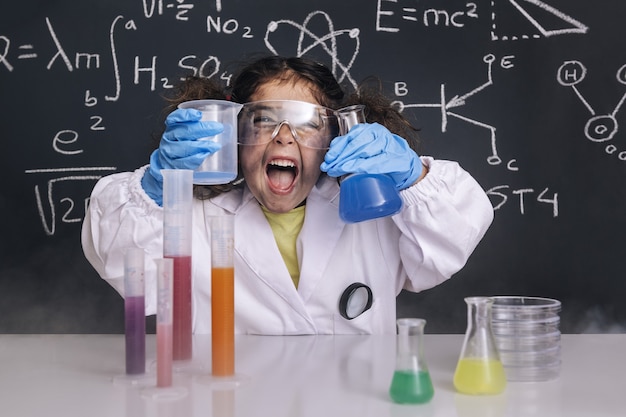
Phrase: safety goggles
[310,125]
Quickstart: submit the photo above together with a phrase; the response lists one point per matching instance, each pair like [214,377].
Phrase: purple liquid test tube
[134,311]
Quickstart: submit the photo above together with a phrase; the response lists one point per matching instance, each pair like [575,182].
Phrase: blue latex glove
[180,148]
[372,149]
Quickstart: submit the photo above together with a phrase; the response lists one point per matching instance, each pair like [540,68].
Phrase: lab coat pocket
[368,322]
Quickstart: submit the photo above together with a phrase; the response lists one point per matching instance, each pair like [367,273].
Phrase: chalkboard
[527,95]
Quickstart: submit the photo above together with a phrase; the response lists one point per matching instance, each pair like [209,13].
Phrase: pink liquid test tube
[134,311]
[164,319]
[177,206]
[165,390]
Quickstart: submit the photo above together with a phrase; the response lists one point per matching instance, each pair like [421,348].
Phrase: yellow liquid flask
[411,383]
[479,370]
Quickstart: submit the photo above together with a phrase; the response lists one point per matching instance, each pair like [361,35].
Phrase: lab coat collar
[319,235]
[315,245]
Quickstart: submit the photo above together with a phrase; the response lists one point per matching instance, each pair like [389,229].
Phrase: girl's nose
[284,133]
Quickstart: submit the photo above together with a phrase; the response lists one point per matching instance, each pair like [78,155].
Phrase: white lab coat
[444,217]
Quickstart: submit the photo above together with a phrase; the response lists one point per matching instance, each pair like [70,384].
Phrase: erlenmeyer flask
[479,370]
[411,383]
[364,196]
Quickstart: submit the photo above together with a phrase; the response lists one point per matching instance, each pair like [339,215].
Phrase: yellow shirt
[286,227]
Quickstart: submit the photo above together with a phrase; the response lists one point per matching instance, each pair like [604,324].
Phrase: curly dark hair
[379,109]
[324,86]
[193,88]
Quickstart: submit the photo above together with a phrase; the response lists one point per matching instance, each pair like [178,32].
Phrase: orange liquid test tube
[223,321]
[222,296]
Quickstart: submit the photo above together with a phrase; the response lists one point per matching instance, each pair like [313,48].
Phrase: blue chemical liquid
[212,178]
[368,196]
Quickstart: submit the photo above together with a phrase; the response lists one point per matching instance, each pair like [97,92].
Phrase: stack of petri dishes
[527,336]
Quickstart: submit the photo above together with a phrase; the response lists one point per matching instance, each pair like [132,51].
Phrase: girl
[296,261]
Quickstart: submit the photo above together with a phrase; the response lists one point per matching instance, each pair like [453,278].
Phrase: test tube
[177,205]
[134,311]
[164,322]
[164,390]
[222,295]
[223,402]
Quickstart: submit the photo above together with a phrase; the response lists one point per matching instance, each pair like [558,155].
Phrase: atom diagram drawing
[308,40]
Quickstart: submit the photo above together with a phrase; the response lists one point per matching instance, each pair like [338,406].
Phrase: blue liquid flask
[364,196]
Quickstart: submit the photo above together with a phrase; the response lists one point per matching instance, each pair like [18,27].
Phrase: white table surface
[326,376]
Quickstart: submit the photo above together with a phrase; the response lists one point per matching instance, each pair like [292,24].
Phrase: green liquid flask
[479,370]
[411,383]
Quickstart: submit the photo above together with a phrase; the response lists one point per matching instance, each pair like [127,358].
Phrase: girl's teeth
[282,163]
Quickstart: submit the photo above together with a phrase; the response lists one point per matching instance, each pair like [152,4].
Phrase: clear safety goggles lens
[310,125]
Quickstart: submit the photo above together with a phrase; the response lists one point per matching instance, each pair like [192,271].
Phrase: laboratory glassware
[220,167]
[528,338]
[222,295]
[177,216]
[164,327]
[364,196]
[134,311]
[165,390]
[134,321]
[479,369]
[411,383]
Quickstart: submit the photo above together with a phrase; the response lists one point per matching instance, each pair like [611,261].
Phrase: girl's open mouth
[281,175]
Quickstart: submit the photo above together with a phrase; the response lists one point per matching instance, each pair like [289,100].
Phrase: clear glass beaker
[479,369]
[220,167]
[364,196]
[411,383]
